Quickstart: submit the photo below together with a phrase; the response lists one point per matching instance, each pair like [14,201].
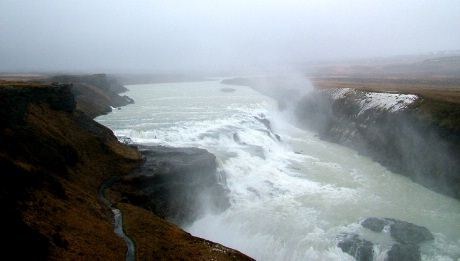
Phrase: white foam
[285,205]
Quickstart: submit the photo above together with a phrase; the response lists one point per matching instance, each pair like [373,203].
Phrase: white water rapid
[290,198]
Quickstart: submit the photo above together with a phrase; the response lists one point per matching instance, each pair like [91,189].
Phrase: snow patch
[392,102]
[340,93]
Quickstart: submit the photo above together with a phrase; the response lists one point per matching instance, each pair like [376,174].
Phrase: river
[290,198]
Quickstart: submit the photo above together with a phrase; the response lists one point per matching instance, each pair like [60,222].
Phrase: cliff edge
[53,160]
[411,134]
[96,94]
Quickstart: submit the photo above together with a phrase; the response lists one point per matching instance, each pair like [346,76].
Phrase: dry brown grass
[447,90]
[157,239]
[78,219]
[22,84]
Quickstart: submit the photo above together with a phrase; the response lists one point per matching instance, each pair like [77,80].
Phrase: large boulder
[401,231]
[357,247]
[406,252]
[407,235]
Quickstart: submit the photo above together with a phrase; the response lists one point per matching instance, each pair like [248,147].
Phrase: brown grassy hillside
[53,161]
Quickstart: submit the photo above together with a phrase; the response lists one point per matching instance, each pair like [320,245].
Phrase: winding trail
[118,219]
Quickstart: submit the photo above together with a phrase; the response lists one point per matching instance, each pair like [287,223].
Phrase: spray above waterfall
[289,199]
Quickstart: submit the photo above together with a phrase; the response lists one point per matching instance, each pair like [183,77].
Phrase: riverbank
[54,159]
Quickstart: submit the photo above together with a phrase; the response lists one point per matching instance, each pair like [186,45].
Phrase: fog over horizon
[199,36]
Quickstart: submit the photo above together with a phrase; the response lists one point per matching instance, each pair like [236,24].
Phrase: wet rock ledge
[407,238]
[177,184]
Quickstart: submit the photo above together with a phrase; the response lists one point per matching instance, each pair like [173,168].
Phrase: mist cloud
[152,36]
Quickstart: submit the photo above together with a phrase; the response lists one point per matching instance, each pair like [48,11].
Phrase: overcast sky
[159,36]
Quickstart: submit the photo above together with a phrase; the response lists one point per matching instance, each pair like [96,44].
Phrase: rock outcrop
[405,252]
[175,183]
[412,135]
[401,231]
[95,94]
[359,248]
[407,238]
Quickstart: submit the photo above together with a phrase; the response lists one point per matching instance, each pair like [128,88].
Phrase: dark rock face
[95,94]
[175,183]
[402,231]
[374,224]
[408,233]
[104,81]
[421,141]
[357,247]
[264,121]
[261,118]
[407,252]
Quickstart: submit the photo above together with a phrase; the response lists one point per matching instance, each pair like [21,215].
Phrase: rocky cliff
[178,184]
[414,135]
[53,160]
[411,126]
[95,94]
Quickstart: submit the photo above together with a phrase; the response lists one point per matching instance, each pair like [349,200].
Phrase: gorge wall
[95,94]
[412,135]
[416,135]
